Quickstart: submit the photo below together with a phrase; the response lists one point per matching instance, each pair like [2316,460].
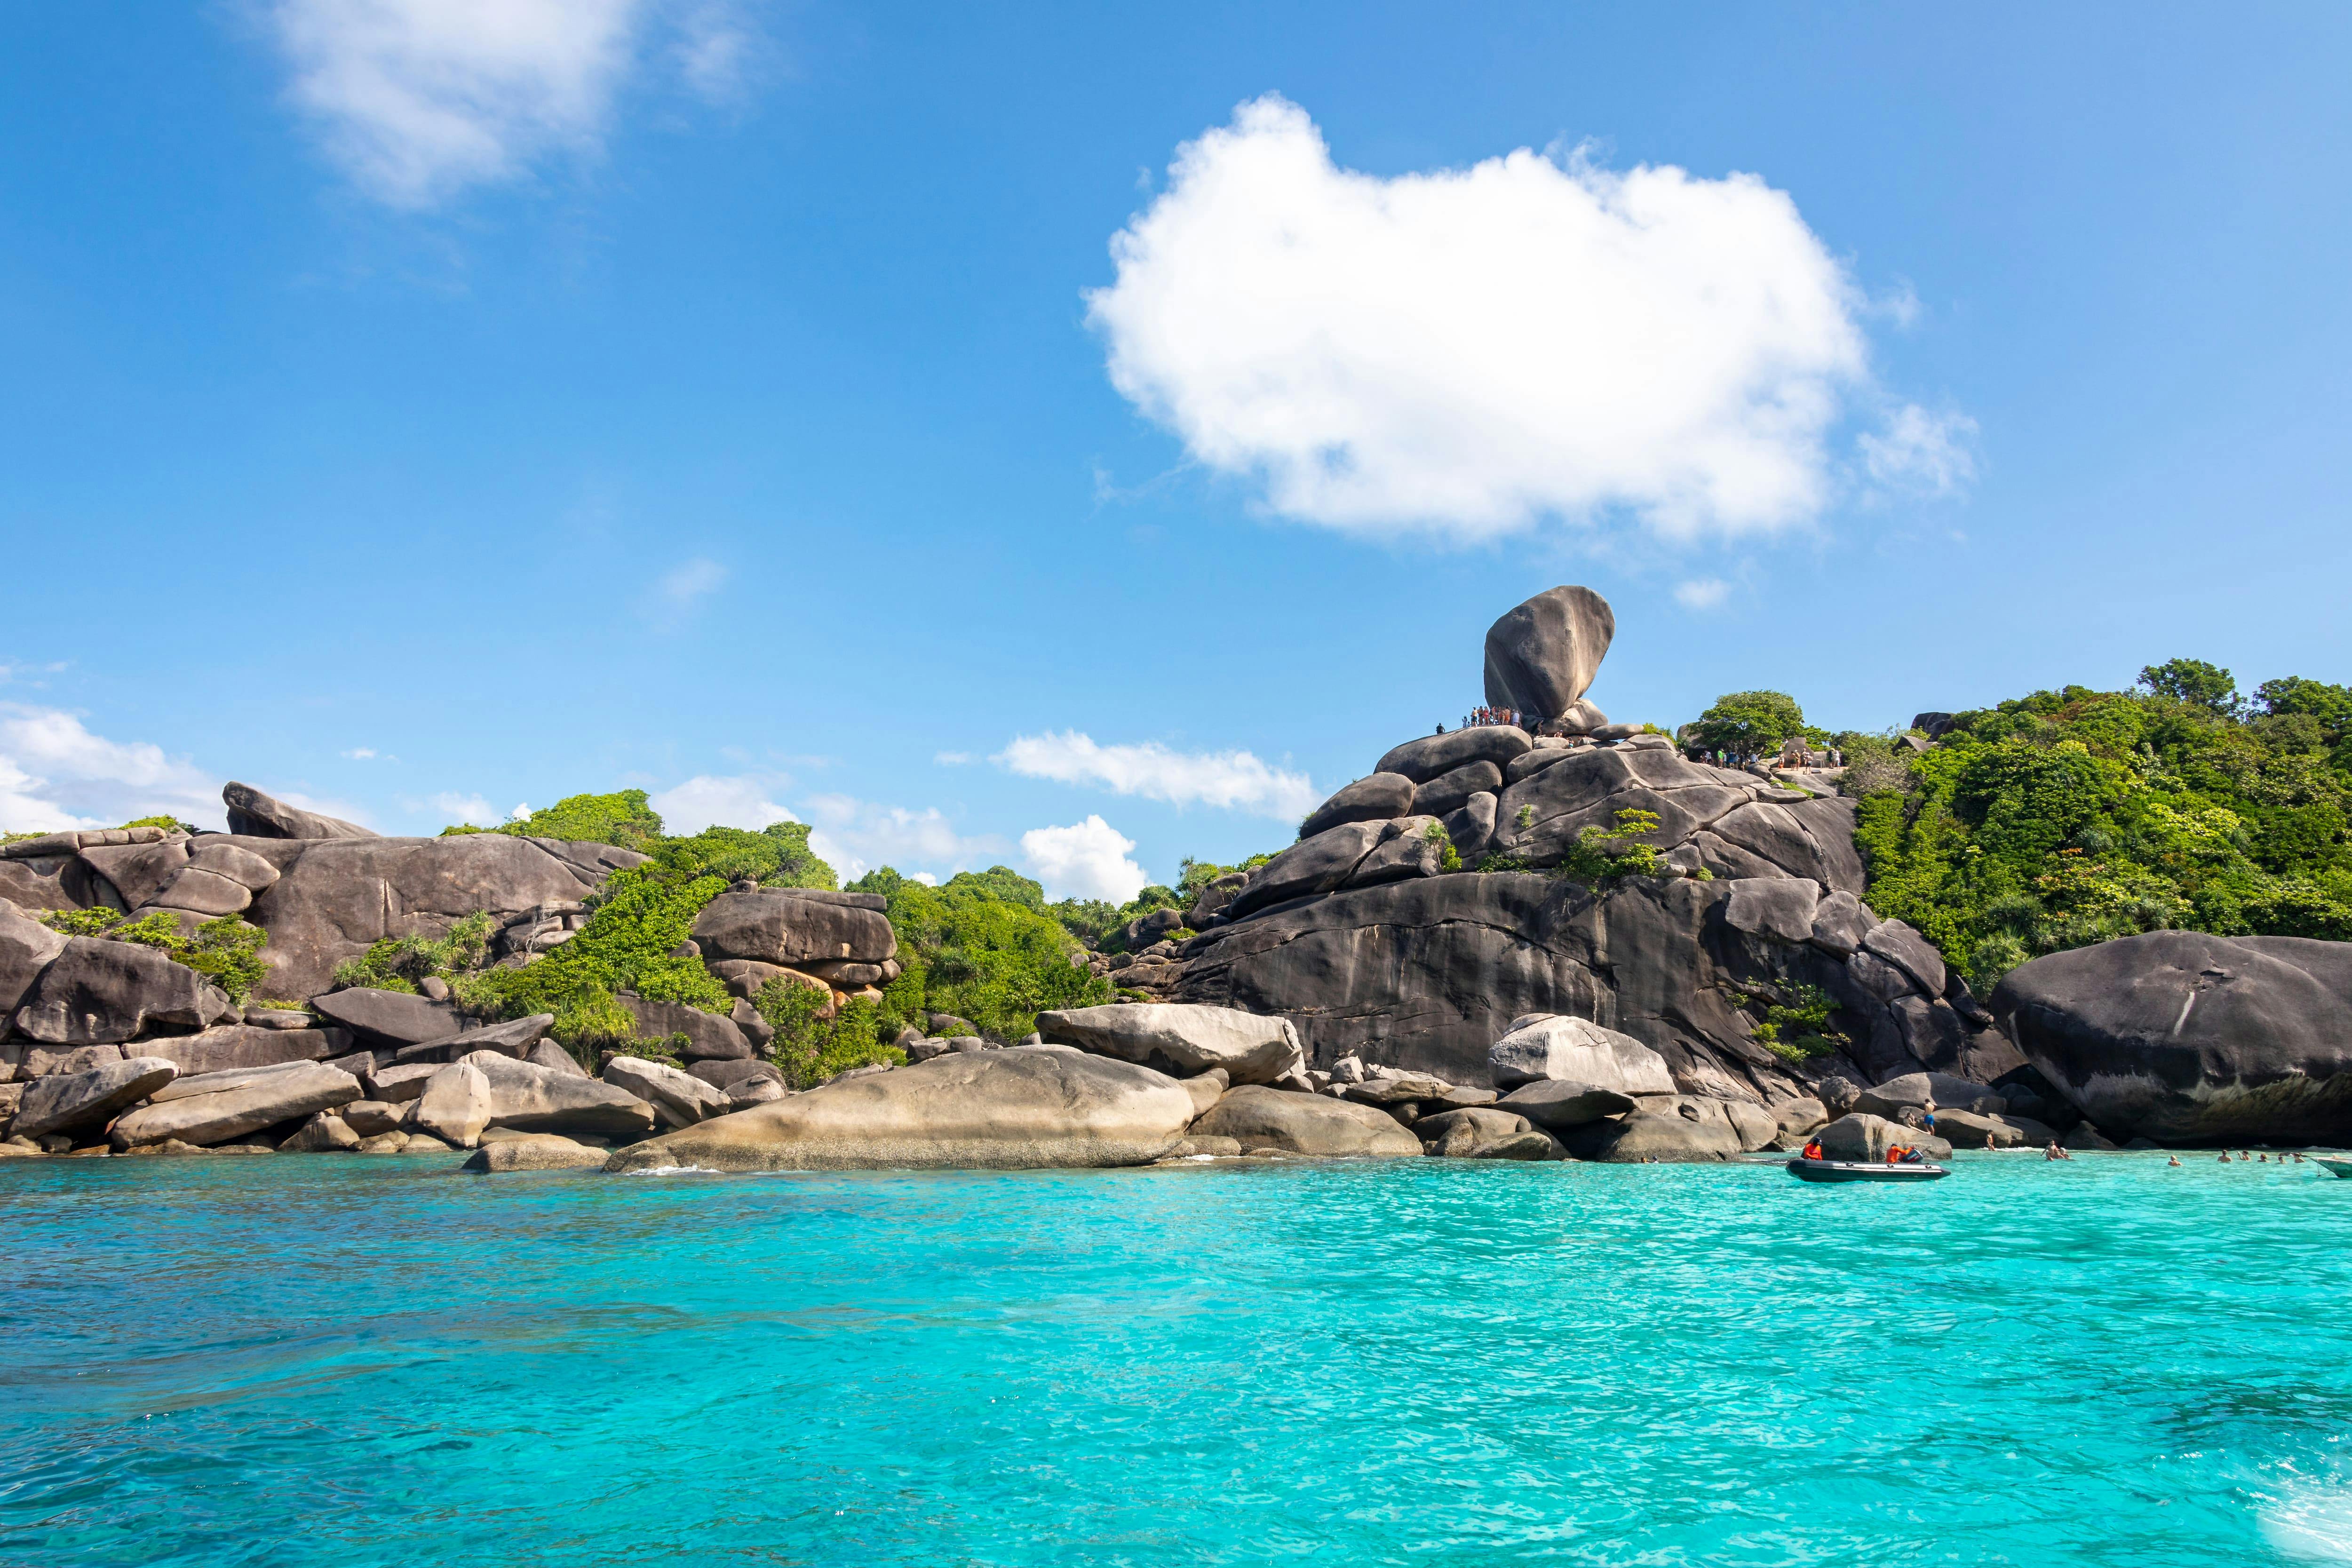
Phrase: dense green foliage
[1098,921]
[1747,724]
[1795,1025]
[639,918]
[981,946]
[622,819]
[2072,816]
[399,962]
[1601,853]
[225,952]
[810,1047]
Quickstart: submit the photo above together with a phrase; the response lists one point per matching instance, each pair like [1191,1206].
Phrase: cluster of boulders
[112,1046]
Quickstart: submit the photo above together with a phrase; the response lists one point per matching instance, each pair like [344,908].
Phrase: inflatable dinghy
[1806,1170]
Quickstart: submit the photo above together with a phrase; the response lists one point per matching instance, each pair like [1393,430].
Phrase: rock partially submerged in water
[1577,1051]
[2184,1037]
[1860,1137]
[1025,1106]
[535,1151]
[1485,1133]
[1258,1118]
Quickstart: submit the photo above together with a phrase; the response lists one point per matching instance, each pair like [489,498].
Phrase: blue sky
[424,409]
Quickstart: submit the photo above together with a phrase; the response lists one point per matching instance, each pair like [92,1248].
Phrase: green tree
[2195,682]
[1747,724]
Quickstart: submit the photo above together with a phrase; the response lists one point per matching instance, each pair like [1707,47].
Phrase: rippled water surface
[326,1359]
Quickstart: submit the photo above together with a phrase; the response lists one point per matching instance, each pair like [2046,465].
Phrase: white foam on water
[2311,1522]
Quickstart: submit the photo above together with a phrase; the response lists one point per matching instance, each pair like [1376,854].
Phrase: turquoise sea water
[353,1360]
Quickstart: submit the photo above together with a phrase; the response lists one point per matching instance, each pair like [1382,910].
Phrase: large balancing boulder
[1577,1051]
[1541,656]
[1272,1118]
[1026,1106]
[792,926]
[2184,1037]
[1180,1039]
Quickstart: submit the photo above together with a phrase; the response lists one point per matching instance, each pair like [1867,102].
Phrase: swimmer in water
[2174,1162]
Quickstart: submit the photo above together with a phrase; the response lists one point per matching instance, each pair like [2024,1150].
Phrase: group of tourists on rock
[1479,716]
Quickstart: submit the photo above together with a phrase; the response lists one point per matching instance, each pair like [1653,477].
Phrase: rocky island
[1553,938]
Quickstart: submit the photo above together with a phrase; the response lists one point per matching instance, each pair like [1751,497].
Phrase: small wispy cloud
[704,801]
[472,809]
[673,597]
[1921,452]
[1232,781]
[367,754]
[951,759]
[417,101]
[855,835]
[1702,592]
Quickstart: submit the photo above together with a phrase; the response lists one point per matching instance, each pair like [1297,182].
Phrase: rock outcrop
[2185,1038]
[1257,1119]
[1541,656]
[1180,1040]
[1022,1107]
[266,816]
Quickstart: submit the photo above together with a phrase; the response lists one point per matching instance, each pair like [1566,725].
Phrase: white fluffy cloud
[471,808]
[1086,860]
[1467,351]
[1236,781]
[854,837]
[706,802]
[55,774]
[419,98]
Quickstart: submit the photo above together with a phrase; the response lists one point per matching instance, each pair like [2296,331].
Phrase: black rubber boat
[1806,1170]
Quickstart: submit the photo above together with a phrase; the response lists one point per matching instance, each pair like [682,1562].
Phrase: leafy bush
[1448,858]
[809,1049]
[622,819]
[2073,817]
[1793,1024]
[81,922]
[399,962]
[979,947]
[1602,852]
[168,823]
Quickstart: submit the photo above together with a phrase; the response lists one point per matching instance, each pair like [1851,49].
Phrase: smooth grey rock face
[1779,909]
[1314,864]
[1260,1118]
[455,1105]
[1860,1136]
[1800,1115]
[1541,655]
[554,1058]
[41,1061]
[1840,923]
[59,883]
[324,1134]
[537,1151]
[517,1037]
[727,1077]
[2187,1038]
[1471,828]
[401,1083]
[1450,791]
[1583,717]
[1374,798]
[1652,1135]
[1409,852]
[688,1098]
[393,1018]
[1390,1090]
[1577,1051]
[1178,1040]
[708,1035]
[97,992]
[265,816]
[337,896]
[1485,1133]
[1023,1107]
[532,1098]
[237,1046]
[203,893]
[1909,951]
[1423,759]
[789,927]
[221,858]
[1556,1106]
[248,1102]
[371,1118]
[137,872]
[81,1101]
